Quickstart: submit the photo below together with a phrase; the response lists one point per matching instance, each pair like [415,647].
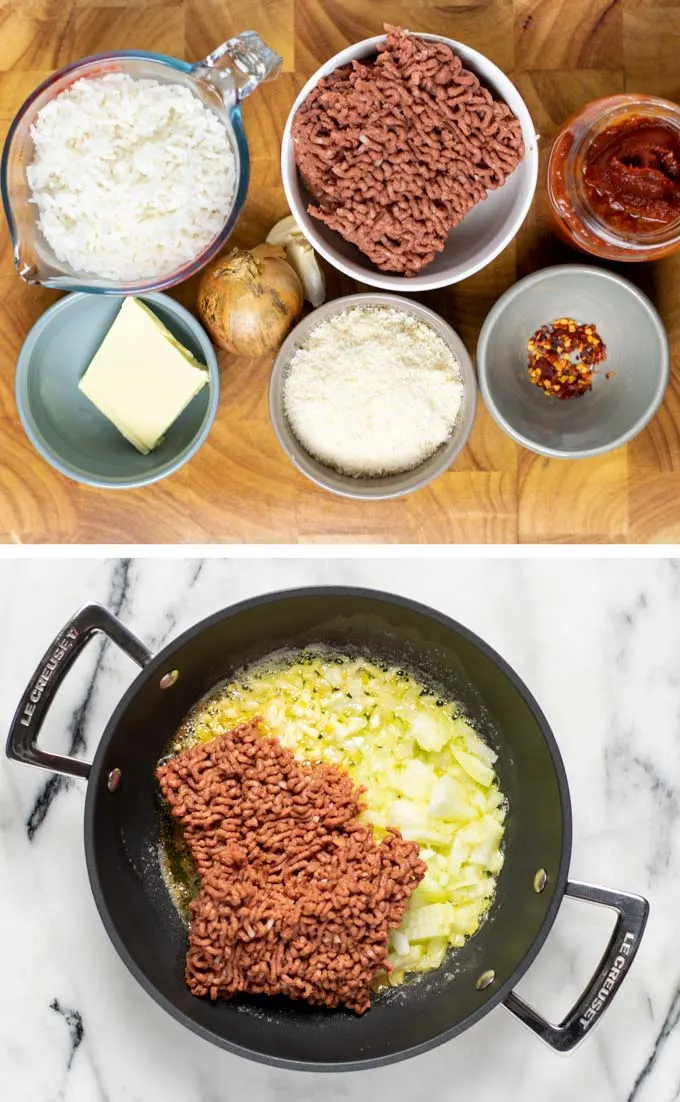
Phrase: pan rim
[94,790]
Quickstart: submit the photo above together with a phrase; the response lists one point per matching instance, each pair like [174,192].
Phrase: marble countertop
[598,643]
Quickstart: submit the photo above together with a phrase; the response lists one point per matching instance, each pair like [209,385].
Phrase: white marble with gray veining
[598,642]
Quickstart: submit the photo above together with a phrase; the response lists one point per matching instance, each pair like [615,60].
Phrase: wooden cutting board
[240,487]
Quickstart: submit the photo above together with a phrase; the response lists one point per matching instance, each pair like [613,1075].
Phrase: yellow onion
[249,300]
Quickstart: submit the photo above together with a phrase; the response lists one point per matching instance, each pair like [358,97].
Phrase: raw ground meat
[398,150]
[297,897]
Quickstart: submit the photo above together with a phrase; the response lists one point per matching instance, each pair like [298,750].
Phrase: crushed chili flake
[563,356]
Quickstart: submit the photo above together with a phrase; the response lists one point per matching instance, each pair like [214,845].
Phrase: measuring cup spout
[20,224]
[237,66]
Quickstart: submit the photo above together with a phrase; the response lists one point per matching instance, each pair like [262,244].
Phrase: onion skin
[249,300]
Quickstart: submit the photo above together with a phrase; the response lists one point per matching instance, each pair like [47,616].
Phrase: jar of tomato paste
[614,178]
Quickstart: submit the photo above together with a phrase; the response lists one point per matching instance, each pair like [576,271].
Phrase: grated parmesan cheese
[372,391]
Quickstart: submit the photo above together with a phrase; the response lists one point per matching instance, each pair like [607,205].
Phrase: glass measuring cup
[221,81]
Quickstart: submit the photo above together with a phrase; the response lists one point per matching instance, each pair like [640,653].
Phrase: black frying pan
[122,827]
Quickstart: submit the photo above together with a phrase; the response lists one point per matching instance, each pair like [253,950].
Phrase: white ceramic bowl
[482,234]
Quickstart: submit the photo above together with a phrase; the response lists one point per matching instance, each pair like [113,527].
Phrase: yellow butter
[141,377]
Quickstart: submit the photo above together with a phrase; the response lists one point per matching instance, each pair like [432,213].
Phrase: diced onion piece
[426,922]
[449,800]
[415,779]
[429,731]
[411,819]
[473,766]
[473,743]
[400,942]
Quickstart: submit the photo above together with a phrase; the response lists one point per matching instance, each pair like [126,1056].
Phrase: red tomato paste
[632,175]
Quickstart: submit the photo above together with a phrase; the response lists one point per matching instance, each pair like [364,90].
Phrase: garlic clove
[279,234]
[301,256]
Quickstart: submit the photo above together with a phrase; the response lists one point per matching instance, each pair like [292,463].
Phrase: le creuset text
[612,979]
[58,654]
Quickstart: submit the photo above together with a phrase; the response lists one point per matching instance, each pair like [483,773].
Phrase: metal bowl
[394,485]
[68,430]
[617,408]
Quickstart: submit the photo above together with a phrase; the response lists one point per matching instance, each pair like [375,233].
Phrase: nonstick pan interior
[122,827]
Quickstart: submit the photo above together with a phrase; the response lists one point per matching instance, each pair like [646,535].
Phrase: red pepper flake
[563,356]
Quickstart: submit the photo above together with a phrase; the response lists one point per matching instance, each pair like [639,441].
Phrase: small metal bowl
[394,485]
[68,430]
[617,408]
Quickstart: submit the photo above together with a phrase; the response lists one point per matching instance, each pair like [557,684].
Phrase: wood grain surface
[240,487]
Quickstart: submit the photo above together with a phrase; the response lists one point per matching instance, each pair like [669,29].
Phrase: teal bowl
[63,425]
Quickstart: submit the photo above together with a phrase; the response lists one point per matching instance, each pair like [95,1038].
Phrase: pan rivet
[485,980]
[169,679]
[114,779]
[540,881]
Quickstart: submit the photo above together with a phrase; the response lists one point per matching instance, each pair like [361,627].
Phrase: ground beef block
[398,150]
[297,897]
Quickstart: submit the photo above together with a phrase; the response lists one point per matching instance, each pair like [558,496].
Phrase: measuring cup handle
[248,59]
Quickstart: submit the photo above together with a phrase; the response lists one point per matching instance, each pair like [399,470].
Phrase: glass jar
[578,222]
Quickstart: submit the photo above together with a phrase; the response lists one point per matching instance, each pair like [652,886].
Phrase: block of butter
[141,377]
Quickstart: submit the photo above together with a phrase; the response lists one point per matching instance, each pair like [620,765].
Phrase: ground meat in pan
[397,151]
[296,896]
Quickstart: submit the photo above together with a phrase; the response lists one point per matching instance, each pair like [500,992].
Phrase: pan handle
[632,911]
[22,741]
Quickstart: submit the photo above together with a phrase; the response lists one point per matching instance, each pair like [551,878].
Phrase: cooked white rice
[132,178]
